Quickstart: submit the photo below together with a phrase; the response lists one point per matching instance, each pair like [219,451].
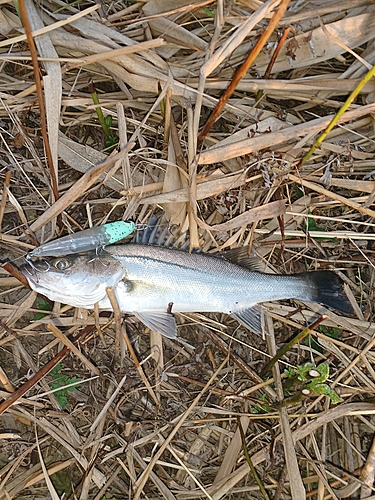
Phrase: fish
[153,282]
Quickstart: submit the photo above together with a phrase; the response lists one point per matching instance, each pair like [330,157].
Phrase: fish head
[79,280]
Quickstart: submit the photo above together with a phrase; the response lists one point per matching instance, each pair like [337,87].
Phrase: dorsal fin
[158,231]
[240,256]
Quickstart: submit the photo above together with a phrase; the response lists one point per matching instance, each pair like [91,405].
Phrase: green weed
[61,380]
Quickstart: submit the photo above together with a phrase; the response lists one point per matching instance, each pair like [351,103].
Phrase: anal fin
[159,321]
[251,317]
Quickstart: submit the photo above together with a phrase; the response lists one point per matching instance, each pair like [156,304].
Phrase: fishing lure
[94,238]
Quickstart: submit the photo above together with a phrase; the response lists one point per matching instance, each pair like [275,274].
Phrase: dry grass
[163,419]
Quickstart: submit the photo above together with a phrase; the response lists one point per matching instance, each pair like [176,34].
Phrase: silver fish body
[151,282]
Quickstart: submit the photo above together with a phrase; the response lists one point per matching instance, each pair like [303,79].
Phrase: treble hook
[98,251]
[33,266]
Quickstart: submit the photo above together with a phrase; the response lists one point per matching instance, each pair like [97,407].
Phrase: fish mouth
[31,270]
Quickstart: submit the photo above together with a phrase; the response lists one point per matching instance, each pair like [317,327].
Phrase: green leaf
[61,380]
[329,331]
[300,378]
[17,7]
[289,372]
[325,390]
[323,369]
[44,306]
[208,12]
[111,142]
[302,371]
[310,225]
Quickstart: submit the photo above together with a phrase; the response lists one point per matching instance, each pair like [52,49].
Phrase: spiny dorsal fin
[158,232]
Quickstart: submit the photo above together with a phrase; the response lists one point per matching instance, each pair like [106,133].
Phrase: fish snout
[41,265]
[29,273]
[31,270]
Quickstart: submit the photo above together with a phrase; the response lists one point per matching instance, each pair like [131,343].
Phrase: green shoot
[307,380]
[250,463]
[368,76]
[43,305]
[105,122]
[208,12]
[298,338]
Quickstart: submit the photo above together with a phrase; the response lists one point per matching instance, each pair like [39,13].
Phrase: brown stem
[276,52]
[243,69]
[4,197]
[16,273]
[38,85]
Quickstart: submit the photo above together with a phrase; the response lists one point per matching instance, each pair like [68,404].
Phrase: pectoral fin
[124,286]
[252,318]
[162,322]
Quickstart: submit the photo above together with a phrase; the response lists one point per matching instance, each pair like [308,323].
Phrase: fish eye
[61,264]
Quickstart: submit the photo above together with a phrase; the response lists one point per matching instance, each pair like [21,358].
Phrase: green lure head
[116,231]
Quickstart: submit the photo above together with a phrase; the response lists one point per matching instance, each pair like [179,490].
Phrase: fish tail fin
[327,289]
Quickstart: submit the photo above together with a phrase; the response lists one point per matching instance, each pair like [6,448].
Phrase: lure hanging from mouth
[95,238]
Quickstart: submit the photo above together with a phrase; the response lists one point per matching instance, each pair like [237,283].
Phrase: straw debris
[213,133]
